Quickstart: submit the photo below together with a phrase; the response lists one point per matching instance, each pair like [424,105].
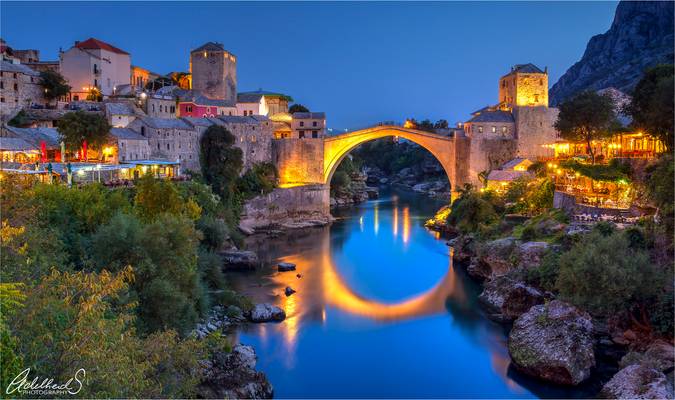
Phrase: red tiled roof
[92,43]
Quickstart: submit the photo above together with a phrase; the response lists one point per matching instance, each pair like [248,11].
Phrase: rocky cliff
[641,36]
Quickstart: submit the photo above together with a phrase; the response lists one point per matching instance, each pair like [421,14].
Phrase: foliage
[54,85]
[651,107]
[546,275]
[11,362]
[297,108]
[615,171]
[221,161]
[94,94]
[604,275]
[471,212]
[261,178]
[586,117]
[661,190]
[20,120]
[530,196]
[76,127]
[159,83]
[214,232]
[157,196]
[210,267]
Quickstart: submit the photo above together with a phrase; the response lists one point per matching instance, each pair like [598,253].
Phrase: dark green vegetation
[586,117]
[615,171]
[390,155]
[79,126]
[297,108]
[113,280]
[54,85]
[651,106]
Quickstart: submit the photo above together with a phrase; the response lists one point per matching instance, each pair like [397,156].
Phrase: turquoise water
[380,311]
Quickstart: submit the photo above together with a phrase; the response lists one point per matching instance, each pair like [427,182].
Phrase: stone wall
[292,207]
[19,90]
[487,154]
[534,128]
[214,73]
[299,161]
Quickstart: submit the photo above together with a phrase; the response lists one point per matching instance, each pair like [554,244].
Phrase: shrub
[214,232]
[259,179]
[471,213]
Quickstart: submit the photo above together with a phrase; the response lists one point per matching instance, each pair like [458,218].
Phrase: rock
[422,187]
[384,181]
[285,266]
[553,342]
[630,335]
[233,376]
[289,291]
[405,172]
[494,259]
[235,313]
[506,298]
[662,354]
[529,254]
[641,36]
[638,382]
[266,312]
[464,248]
[240,259]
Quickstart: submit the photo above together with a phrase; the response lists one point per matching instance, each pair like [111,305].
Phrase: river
[380,311]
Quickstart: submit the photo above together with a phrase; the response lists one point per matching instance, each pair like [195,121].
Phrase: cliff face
[641,36]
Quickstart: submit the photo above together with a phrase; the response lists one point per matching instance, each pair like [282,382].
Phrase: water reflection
[363,294]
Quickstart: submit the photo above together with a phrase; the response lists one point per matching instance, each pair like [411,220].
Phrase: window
[16,87]
[189,109]
[15,76]
[157,146]
[536,98]
[313,123]
[504,129]
[2,99]
[302,123]
[480,129]
[153,108]
[108,82]
[95,68]
[143,130]
[253,139]
[96,82]
[2,85]
[301,134]
[541,82]
[494,129]
[315,134]
[76,98]
[168,146]
[161,108]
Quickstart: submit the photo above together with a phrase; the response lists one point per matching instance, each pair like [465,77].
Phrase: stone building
[262,103]
[213,72]
[140,77]
[308,125]
[520,125]
[193,104]
[169,139]
[19,88]
[129,145]
[94,64]
[120,113]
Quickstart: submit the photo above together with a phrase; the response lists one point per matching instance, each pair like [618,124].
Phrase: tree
[221,161]
[651,106]
[156,196]
[159,83]
[425,125]
[586,117]
[94,94]
[79,126]
[297,108]
[54,85]
[441,124]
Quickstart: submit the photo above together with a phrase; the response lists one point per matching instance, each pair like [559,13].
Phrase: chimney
[546,70]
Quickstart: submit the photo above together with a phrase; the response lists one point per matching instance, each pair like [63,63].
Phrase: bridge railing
[335,132]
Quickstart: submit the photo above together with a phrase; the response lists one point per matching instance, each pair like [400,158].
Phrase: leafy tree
[471,212]
[159,83]
[54,84]
[157,196]
[441,124]
[662,191]
[221,161]
[297,108]
[214,232]
[259,179]
[651,106]
[11,362]
[586,117]
[94,94]
[425,125]
[20,120]
[79,126]
[604,275]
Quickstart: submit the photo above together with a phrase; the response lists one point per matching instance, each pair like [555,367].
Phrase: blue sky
[359,62]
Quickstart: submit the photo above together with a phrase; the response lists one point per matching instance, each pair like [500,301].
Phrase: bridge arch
[443,148]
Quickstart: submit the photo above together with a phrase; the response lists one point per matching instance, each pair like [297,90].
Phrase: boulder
[422,187]
[285,266]
[494,259]
[553,342]
[240,259]
[638,381]
[266,312]
[506,298]
[464,248]
[529,254]
[233,376]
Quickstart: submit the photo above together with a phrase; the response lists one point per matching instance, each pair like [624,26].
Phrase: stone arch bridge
[312,162]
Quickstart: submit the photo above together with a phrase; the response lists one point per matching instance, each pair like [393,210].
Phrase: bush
[471,213]
[546,274]
[604,275]
[214,232]
[210,267]
[260,179]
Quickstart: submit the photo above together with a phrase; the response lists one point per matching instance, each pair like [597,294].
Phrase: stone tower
[526,85]
[214,72]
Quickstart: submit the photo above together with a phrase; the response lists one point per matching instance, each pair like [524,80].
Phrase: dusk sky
[359,62]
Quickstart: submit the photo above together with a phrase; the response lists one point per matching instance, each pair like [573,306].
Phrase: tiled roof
[35,136]
[119,109]
[507,176]
[193,96]
[528,68]
[210,46]
[237,119]
[513,163]
[194,121]
[493,116]
[254,97]
[15,144]
[309,115]
[7,66]
[127,134]
[92,43]
[159,123]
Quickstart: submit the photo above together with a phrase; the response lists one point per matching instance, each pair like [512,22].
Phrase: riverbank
[517,260]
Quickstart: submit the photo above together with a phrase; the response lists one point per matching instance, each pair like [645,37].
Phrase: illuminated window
[504,129]
[494,129]
[480,129]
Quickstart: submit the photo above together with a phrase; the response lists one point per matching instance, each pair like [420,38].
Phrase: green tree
[261,178]
[297,108]
[11,362]
[662,191]
[79,126]
[651,106]
[54,84]
[604,275]
[441,124]
[586,117]
[157,196]
[471,212]
[221,161]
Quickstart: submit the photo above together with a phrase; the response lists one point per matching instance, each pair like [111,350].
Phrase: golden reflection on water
[376,220]
[395,224]
[406,224]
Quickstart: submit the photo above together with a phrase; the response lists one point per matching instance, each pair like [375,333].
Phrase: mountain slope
[641,36]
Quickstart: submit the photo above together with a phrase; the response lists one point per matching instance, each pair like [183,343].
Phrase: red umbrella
[43,150]
[84,150]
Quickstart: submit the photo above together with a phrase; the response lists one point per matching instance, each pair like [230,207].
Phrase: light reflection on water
[376,314]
